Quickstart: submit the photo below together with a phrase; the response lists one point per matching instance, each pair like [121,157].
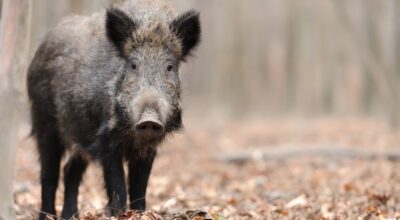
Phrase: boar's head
[148,87]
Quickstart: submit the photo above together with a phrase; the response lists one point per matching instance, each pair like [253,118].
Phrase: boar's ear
[119,27]
[187,28]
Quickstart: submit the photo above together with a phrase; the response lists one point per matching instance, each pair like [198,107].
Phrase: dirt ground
[224,168]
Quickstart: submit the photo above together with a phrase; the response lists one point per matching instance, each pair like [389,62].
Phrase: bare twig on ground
[278,153]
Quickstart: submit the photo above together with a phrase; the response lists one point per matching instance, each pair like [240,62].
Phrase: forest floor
[269,169]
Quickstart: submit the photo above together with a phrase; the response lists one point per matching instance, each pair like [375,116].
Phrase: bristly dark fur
[187,27]
[175,122]
[119,27]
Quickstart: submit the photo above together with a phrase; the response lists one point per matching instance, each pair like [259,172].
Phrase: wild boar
[106,87]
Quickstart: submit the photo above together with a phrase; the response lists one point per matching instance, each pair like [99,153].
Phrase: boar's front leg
[73,172]
[115,183]
[139,172]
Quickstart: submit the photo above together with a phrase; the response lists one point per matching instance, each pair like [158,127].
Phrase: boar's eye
[133,66]
[170,67]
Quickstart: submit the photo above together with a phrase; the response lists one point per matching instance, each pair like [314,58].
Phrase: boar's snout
[149,129]
[149,126]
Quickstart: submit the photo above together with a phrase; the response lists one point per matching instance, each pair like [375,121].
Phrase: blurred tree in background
[264,58]
[14,45]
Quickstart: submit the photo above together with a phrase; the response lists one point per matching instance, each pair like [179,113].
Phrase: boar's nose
[149,126]
[149,129]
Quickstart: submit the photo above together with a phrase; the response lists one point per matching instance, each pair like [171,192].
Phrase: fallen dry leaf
[376,196]
[300,201]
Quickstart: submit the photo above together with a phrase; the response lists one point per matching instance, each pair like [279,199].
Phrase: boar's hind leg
[139,172]
[114,179]
[73,172]
[50,152]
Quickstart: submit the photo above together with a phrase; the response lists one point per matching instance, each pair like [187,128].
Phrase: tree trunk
[14,44]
